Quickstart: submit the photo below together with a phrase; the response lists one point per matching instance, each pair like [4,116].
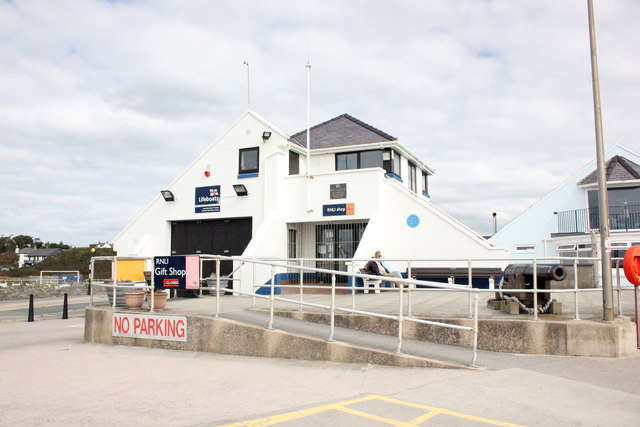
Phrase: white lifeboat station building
[254,193]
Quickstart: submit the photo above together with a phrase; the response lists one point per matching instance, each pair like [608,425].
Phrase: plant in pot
[159,298]
[134,298]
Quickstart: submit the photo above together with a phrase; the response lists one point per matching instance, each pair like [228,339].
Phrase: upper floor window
[249,160]
[391,161]
[359,160]
[624,208]
[413,177]
[425,183]
[294,163]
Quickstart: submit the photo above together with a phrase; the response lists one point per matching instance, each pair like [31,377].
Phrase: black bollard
[65,308]
[30,317]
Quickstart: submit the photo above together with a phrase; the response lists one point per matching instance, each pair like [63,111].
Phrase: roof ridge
[609,166]
[318,125]
[371,128]
[628,165]
[353,119]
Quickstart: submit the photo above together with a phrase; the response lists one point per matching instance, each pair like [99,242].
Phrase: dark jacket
[372,266]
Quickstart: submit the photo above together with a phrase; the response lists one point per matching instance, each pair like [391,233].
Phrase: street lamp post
[603,200]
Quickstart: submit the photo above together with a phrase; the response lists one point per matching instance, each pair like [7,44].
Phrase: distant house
[565,222]
[31,256]
[101,245]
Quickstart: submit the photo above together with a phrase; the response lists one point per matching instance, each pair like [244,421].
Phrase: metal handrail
[400,317]
[411,284]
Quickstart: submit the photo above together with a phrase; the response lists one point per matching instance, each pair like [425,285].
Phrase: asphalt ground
[51,377]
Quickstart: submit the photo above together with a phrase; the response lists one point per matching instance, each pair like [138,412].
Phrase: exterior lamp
[266,135]
[167,195]
[240,190]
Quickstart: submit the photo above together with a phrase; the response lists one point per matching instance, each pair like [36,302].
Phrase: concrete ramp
[235,337]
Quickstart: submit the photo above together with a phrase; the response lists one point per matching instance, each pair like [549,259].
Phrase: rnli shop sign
[176,272]
[168,328]
[208,199]
[339,209]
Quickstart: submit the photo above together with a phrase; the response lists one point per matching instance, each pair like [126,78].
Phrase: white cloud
[104,103]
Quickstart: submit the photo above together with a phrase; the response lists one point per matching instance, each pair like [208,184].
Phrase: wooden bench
[366,283]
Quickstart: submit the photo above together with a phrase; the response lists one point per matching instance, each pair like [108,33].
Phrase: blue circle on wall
[413,221]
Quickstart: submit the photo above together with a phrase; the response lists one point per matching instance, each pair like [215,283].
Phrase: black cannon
[520,276]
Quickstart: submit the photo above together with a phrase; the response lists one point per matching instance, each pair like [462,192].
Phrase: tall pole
[603,200]
[308,67]
[248,87]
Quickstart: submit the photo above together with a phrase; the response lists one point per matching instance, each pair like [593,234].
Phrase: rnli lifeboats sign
[208,199]
[168,328]
[176,272]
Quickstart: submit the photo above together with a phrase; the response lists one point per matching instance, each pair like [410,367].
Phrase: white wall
[276,199]
[535,225]
[438,236]
[149,234]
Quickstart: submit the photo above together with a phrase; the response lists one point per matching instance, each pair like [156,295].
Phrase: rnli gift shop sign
[176,272]
[168,328]
[208,199]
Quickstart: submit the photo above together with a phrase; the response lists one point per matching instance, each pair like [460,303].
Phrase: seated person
[377,267]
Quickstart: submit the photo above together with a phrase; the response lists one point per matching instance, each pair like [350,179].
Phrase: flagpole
[308,67]
[248,87]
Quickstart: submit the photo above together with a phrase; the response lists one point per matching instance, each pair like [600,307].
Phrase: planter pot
[134,299]
[159,300]
[211,284]
[119,294]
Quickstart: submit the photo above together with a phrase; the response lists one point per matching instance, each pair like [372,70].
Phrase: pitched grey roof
[341,131]
[45,252]
[618,169]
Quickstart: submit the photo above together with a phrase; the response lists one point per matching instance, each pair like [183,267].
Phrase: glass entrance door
[336,241]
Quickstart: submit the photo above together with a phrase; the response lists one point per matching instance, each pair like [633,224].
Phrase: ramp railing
[341,280]
[333,307]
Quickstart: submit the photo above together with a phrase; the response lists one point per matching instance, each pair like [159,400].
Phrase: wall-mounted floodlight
[240,189]
[266,135]
[167,195]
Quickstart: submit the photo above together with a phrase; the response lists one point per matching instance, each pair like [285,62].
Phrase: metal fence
[346,280]
[584,220]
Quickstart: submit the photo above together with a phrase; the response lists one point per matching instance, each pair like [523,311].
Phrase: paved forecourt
[57,379]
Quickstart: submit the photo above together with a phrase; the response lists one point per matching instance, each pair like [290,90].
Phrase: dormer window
[391,162]
[425,183]
[413,178]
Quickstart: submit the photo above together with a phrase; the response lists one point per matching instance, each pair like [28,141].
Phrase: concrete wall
[563,338]
[230,337]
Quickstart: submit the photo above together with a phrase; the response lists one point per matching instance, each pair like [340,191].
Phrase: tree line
[10,243]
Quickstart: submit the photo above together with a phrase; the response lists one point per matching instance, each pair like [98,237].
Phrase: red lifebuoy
[632,265]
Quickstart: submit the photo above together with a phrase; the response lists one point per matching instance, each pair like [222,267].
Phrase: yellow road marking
[342,407]
[368,416]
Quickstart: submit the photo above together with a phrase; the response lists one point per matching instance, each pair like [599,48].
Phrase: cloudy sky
[103,103]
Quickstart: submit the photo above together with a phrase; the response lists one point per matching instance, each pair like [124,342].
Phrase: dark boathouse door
[214,237]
